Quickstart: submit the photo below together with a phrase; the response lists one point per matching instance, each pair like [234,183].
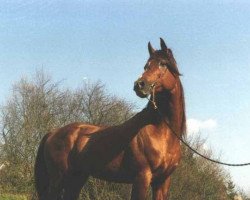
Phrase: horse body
[142,151]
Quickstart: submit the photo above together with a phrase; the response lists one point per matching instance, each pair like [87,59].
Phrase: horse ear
[163,45]
[150,49]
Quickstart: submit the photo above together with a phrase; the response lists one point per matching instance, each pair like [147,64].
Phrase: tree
[27,115]
[231,193]
[197,178]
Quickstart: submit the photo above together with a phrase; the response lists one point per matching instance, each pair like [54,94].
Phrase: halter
[152,88]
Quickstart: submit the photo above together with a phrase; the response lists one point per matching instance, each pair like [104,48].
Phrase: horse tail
[41,173]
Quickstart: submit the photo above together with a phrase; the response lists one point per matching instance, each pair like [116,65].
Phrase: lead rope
[185,143]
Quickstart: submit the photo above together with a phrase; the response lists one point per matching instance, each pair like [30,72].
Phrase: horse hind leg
[55,184]
[72,186]
[55,187]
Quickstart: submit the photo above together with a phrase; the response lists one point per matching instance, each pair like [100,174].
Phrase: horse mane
[183,106]
[172,66]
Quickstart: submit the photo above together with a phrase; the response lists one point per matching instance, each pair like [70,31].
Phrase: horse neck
[171,106]
[138,121]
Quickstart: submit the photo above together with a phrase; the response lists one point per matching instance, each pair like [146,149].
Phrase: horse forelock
[167,56]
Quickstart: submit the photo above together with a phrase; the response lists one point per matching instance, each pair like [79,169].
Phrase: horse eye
[161,66]
[163,63]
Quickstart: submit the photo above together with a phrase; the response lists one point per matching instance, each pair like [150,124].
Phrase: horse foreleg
[141,185]
[160,190]
[73,185]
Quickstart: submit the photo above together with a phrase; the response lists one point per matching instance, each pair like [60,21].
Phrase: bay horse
[142,151]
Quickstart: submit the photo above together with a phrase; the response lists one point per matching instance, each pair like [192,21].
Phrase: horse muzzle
[143,88]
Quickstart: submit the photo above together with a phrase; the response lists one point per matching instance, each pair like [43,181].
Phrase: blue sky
[107,41]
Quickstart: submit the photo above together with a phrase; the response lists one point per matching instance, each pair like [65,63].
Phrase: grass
[13,197]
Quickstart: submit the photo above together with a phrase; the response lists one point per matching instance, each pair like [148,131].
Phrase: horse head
[160,72]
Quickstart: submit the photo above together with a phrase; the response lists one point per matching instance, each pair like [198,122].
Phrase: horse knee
[161,189]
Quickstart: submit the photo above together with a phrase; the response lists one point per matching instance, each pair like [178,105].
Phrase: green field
[12,197]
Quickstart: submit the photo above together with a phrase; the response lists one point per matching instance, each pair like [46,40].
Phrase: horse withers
[142,151]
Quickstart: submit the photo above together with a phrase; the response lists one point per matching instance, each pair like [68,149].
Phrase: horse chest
[162,160]
[162,156]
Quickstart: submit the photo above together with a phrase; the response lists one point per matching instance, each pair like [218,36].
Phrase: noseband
[152,88]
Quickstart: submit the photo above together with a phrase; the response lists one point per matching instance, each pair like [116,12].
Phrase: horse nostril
[141,84]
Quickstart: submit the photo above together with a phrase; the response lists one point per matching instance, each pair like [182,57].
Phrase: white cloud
[195,126]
